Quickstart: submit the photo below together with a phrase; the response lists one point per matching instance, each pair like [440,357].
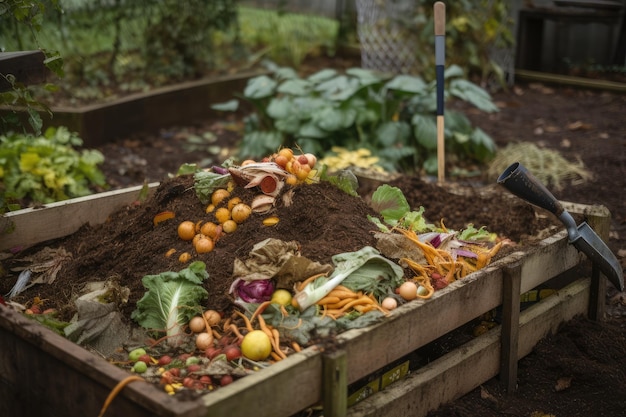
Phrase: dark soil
[587,359]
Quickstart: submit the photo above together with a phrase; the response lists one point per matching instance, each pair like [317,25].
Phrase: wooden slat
[30,226]
[553,255]
[335,384]
[283,389]
[415,324]
[464,369]
[26,66]
[510,326]
[41,370]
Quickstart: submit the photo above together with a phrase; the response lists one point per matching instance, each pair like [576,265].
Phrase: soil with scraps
[579,371]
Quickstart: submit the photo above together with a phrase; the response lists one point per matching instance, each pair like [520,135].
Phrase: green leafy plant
[171,300]
[286,38]
[16,14]
[48,168]
[392,116]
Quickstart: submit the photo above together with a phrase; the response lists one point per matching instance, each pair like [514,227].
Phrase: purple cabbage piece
[256,291]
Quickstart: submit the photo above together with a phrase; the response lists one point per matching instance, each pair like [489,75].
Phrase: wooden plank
[335,384]
[415,324]
[183,103]
[465,368]
[30,226]
[510,326]
[41,365]
[283,389]
[26,66]
[569,80]
[553,255]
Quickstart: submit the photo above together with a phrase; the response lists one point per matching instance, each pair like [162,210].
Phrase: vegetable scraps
[446,255]
[364,270]
[171,301]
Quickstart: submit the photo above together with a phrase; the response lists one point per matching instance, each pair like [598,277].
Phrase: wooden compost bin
[42,371]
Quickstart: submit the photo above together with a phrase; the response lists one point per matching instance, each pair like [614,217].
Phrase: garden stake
[440,54]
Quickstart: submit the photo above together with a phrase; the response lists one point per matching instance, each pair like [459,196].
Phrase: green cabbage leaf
[172,299]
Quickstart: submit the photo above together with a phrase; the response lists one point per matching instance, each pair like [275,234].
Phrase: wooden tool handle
[440,18]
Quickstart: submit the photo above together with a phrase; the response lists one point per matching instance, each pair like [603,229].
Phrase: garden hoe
[524,185]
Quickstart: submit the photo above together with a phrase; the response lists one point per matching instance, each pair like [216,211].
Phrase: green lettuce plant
[392,116]
[171,300]
[47,168]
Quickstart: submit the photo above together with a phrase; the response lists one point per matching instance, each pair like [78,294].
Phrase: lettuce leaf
[392,205]
[172,299]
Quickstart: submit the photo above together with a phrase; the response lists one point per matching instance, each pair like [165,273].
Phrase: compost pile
[319,219]
[322,219]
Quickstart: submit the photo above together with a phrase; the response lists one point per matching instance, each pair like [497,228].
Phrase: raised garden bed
[179,104]
[35,357]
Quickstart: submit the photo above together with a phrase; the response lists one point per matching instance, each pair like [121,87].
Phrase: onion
[389,303]
[204,340]
[197,324]
[408,290]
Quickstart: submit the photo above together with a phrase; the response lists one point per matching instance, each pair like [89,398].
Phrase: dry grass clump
[547,165]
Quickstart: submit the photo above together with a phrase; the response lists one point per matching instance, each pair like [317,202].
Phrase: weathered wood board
[30,226]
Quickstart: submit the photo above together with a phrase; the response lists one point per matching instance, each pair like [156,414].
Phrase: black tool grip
[518,180]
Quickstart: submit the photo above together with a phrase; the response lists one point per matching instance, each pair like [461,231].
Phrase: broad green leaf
[322,75]
[231,105]
[285,73]
[290,124]
[365,76]
[473,94]
[390,203]
[295,87]
[407,84]
[390,133]
[311,130]
[279,107]
[260,87]
[425,131]
[453,71]
[339,88]
[332,119]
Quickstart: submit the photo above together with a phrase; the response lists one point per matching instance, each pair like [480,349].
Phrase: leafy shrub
[392,116]
[27,16]
[47,168]
[287,38]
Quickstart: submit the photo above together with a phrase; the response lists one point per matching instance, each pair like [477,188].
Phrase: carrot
[216,334]
[328,300]
[342,294]
[245,320]
[365,308]
[343,288]
[358,301]
[340,303]
[296,346]
[260,309]
[235,330]
[309,280]
[275,356]
[226,324]
[116,390]
[276,335]
[269,334]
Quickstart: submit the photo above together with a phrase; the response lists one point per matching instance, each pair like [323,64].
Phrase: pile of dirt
[321,218]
